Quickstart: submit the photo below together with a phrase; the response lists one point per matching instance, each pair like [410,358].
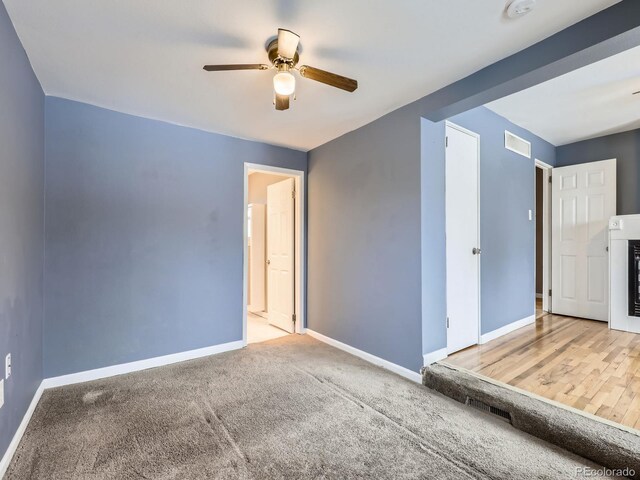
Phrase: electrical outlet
[1,393]
[7,366]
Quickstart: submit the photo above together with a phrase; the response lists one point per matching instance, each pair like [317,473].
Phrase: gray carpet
[288,408]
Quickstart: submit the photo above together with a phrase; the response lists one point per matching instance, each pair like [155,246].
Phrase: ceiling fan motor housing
[272,50]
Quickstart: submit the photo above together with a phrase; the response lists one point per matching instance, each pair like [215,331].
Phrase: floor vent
[498,412]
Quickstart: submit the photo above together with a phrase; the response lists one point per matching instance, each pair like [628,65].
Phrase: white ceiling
[590,102]
[145,57]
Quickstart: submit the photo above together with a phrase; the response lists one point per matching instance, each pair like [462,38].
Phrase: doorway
[462,237]
[542,238]
[273,261]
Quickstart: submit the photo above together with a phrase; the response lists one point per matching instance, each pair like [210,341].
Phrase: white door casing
[583,200]
[462,238]
[546,233]
[281,254]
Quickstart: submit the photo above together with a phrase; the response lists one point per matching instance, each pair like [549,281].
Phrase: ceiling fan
[284,56]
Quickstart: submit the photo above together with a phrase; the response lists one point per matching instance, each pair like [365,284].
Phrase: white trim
[546,228]
[402,371]
[433,357]
[15,441]
[113,370]
[479,239]
[487,337]
[300,260]
[543,165]
[462,129]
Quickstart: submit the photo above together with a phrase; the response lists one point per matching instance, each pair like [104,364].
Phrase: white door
[583,200]
[280,254]
[462,232]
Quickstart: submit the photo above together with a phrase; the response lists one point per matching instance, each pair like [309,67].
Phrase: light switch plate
[530,215]
[1,393]
[7,366]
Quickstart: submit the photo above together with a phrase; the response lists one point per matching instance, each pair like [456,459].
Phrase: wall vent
[480,405]
[516,144]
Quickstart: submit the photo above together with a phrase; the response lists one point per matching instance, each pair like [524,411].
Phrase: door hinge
[446,142]
[293,194]
[293,318]
[447,322]
[549,292]
[550,179]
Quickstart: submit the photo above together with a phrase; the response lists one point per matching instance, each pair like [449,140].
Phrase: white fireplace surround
[622,228]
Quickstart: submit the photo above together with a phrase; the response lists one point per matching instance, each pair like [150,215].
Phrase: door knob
[476,251]
[268,262]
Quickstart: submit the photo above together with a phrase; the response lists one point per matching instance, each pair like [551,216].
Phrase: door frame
[478,240]
[300,229]
[546,230]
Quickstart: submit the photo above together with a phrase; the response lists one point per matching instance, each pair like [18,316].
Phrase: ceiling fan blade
[239,66]
[282,102]
[329,78]
[287,43]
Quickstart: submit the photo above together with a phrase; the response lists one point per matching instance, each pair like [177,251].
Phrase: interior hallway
[580,363]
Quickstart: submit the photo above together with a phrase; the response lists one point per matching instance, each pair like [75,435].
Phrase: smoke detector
[519,8]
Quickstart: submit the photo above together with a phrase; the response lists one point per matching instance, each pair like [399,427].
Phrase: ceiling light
[284,83]
[519,8]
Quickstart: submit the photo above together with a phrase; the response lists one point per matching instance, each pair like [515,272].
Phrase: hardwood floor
[539,311]
[580,363]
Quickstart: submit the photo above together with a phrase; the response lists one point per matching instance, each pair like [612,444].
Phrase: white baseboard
[434,357]
[487,337]
[402,371]
[139,365]
[15,441]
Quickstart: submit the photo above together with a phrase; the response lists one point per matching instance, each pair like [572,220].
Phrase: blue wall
[433,243]
[377,281]
[143,236]
[507,236]
[21,227]
[625,147]
[364,239]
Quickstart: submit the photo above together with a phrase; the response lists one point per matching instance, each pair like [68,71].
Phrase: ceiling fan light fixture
[284,83]
[283,53]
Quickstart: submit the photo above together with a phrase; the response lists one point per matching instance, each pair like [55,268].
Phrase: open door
[281,254]
[583,200]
